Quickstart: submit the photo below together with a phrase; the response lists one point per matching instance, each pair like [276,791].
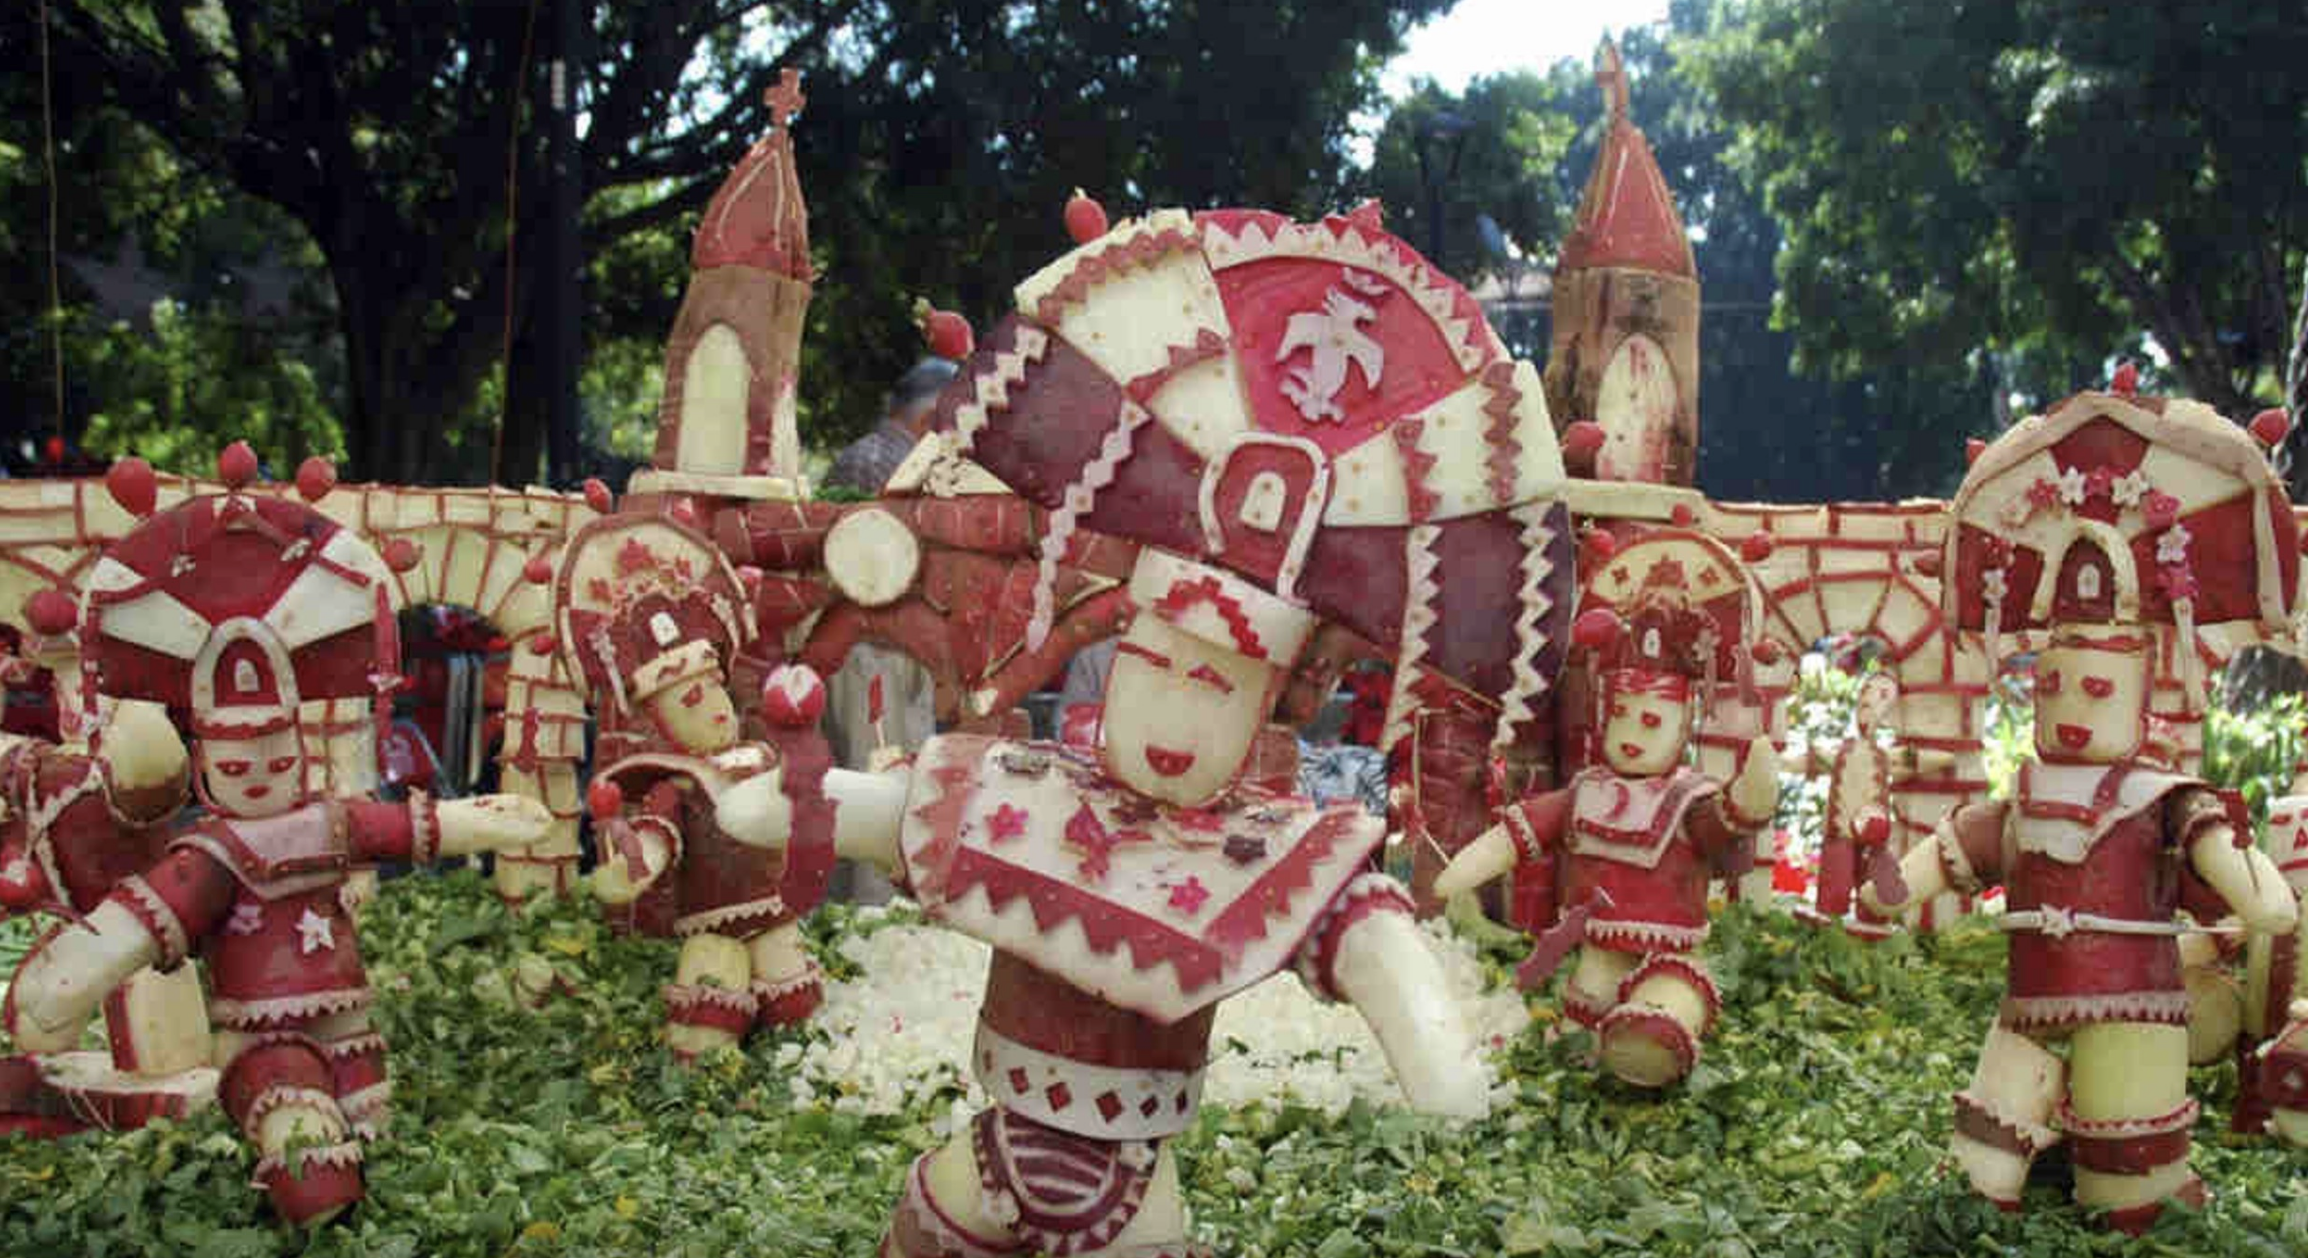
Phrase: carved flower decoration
[2129,488]
[1189,896]
[2072,486]
[1006,822]
[2100,482]
[2161,508]
[2044,492]
[2172,547]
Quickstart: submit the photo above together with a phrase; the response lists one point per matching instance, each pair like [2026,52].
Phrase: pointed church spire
[758,217]
[1626,217]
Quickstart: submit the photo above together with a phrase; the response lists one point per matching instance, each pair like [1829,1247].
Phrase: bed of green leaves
[1814,1126]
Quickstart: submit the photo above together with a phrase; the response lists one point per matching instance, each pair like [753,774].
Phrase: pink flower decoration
[1189,896]
[2100,482]
[2044,493]
[1006,822]
[2161,509]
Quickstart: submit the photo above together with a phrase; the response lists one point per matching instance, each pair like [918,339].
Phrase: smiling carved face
[1644,732]
[1181,713]
[697,713]
[253,777]
[2091,703]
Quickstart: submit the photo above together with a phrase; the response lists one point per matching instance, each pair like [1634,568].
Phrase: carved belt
[2059,922]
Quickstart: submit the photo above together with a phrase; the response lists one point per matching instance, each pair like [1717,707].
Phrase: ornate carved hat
[1671,608]
[237,607]
[643,602]
[1309,405]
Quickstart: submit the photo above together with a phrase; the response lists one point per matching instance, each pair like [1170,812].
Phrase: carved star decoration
[1096,843]
[315,933]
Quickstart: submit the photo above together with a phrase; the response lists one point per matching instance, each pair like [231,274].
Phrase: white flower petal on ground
[897,1038]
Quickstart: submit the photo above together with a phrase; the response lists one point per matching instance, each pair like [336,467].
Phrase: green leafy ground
[1814,1126]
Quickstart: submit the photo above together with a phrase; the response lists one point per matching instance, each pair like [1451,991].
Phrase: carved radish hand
[491,823]
[1754,793]
[755,812]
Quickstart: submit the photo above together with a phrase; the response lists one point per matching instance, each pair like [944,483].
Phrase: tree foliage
[2045,178]
[400,145]
[1891,427]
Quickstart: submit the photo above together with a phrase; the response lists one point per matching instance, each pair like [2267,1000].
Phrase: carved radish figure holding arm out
[1628,846]
[1126,893]
[239,607]
[2095,851]
[650,615]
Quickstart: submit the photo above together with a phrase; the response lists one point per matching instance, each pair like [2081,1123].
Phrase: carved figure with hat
[1623,853]
[240,608]
[1130,886]
[650,613]
[2090,526]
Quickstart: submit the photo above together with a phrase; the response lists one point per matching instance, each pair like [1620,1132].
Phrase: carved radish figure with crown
[2097,525]
[1622,855]
[651,614]
[1173,382]
[241,608]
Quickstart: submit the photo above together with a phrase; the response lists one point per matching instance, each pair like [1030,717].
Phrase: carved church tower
[1626,309]
[727,424]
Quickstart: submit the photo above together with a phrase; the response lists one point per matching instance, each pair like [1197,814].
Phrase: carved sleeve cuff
[178,900]
[2194,810]
[387,832]
[1318,956]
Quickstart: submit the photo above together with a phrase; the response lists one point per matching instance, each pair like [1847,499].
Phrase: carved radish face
[1181,713]
[2091,703]
[1644,732]
[253,777]
[696,713]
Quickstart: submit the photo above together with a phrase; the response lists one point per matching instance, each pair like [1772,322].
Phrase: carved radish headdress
[643,602]
[2115,507]
[236,608]
[1308,405]
[1672,610]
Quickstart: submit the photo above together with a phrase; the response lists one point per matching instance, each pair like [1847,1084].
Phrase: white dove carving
[1334,339]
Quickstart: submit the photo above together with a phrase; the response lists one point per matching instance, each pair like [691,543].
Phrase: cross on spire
[1612,76]
[785,98]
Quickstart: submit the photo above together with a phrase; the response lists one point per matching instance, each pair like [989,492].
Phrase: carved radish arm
[868,809]
[1383,965]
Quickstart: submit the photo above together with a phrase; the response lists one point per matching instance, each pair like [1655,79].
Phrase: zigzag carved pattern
[1144,249]
[1080,497]
[990,389]
[928,873]
[1506,453]
[1418,616]
[1207,345]
[1530,639]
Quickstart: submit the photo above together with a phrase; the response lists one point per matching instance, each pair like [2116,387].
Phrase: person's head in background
[910,398]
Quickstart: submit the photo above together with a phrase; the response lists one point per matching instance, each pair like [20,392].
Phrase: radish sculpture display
[242,609]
